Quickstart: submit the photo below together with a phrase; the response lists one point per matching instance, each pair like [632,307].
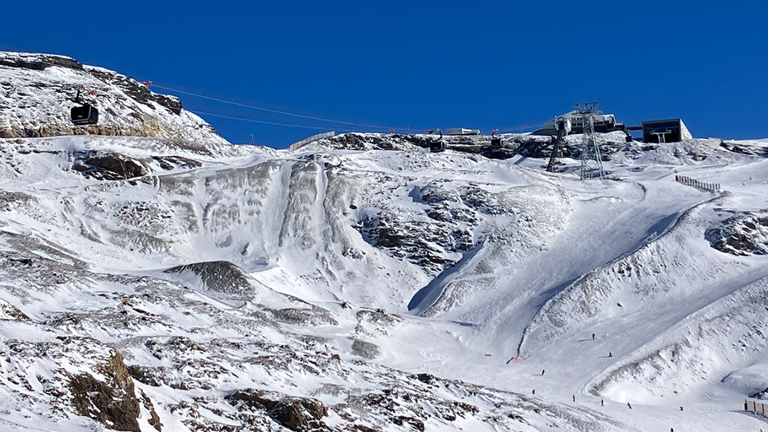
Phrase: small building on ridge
[664,131]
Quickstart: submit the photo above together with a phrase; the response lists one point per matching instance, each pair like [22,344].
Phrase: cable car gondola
[439,145]
[495,141]
[83,115]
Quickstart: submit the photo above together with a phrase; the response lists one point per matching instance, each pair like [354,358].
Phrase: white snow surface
[523,298]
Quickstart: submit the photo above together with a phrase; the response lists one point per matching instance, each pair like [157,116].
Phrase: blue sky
[412,65]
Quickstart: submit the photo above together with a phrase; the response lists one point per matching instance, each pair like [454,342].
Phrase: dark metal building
[664,131]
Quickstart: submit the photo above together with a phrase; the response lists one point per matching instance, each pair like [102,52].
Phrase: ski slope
[337,275]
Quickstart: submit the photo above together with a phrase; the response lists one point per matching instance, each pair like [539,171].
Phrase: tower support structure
[591,159]
[563,126]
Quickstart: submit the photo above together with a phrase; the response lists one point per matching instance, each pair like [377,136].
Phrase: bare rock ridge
[537,146]
[38,61]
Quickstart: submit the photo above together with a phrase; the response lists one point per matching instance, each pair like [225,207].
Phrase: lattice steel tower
[591,160]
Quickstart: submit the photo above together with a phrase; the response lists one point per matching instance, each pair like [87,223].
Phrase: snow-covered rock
[37,92]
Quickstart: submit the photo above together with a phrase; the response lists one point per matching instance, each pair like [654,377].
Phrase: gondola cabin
[84,115]
[437,146]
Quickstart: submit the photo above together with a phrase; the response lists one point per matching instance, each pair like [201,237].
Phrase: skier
[602,402]
[610,354]
[534,391]
[542,372]
[630,406]
[574,398]
[593,336]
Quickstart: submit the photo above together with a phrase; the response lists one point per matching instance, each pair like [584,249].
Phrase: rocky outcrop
[219,276]
[10,312]
[295,413]
[76,376]
[744,148]
[112,400]
[436,240]
[365,349]
[536,146]
[311,315]
[108,166]
[742,234]
[37,61]
[480,144]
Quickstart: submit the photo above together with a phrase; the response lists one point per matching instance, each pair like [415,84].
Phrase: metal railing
[299,144]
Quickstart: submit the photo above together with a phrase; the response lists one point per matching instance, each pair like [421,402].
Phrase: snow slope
[148,283]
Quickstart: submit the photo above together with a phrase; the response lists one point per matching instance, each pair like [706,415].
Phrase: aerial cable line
[258,121]
[519,129]
[270,110]
[505,130]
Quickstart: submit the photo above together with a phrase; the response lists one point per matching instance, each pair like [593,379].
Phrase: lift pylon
[591,160]
[563,126]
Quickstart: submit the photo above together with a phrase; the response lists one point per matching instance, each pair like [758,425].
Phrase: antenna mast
[591,160]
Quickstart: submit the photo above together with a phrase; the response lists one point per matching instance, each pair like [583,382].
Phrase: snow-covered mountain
[154,277]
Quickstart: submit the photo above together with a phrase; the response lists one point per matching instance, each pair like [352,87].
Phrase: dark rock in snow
[742,234]
[295,413]
[220,276]
[763,395]
[303,316]
[38,61]
[108,166]
[365,349]
[112,401]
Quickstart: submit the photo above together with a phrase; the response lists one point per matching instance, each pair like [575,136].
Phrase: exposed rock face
[468,144]
[294,413]
[742,234]
[108,166]
[304,316]
[112,401]
[85,378]
[541,146]
[436,241]
[220,276]
[10,312]
[38,61]
[374,323]
[365,349]
[744,148]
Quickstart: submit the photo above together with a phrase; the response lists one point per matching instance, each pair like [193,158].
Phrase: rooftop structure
[664,131]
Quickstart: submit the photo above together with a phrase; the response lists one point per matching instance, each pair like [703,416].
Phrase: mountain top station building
[664,131]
